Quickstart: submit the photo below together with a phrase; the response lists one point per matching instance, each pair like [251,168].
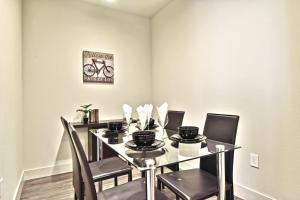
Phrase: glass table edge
[185,160]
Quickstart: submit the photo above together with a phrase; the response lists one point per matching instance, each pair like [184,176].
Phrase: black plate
[151,128]
[156,145]
[112,134]
[119,131]
[197,139]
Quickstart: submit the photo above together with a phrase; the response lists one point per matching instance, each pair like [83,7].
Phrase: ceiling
[146,8]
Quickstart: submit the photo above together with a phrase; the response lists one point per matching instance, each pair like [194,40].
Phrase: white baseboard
[59,168]
[19,188]
[247,193]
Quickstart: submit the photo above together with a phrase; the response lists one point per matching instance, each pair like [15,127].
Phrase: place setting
[145,138]
[144,146]
[144,141]
[188,135]
[115,132]
[114,129]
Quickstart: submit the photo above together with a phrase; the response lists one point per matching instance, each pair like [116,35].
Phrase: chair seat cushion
[191,184]
[134,190]
[109,167]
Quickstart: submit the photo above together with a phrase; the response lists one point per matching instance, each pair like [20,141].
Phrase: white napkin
[142,113]
[162,112]
[127,111]
[148,108]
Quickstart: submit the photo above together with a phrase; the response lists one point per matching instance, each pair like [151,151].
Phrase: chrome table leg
[221,171]
[99,149]
[150,178]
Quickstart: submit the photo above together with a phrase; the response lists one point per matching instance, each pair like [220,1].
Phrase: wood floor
[59,187]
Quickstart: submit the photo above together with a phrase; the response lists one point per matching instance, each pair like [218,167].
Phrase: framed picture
[98,67]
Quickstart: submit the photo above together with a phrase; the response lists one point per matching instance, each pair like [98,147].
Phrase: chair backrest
[221,128]
[175,119]
[90,191]
[77,179]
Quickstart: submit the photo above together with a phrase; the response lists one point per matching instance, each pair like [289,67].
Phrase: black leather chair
[134,190]
[202,183]
[175,119]
[100,170]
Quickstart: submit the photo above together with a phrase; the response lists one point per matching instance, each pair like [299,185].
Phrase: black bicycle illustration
[90,69]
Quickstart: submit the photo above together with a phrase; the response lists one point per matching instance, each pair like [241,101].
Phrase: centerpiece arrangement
[145,138]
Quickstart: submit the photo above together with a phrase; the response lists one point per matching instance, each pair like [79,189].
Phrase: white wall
[55,34]
[10,96]
[237,57]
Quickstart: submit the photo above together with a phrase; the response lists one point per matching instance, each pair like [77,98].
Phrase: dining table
[167,153]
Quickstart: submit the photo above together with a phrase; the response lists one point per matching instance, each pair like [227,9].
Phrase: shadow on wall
[64,156]
[64,151]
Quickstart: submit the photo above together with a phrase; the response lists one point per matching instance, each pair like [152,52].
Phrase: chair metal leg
[130,176]
[230,194]
[75,196]
[162,171]
[100,186]
[177,197]
[159,184]
[116,181]
[143,174]
[81,195]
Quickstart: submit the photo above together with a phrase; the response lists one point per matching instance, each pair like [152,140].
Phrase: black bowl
[188,132]
[143,138]
[115,125]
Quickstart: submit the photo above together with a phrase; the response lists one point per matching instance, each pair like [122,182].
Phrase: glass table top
[168,154]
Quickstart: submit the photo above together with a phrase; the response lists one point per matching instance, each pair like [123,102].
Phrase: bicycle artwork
[98,67]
